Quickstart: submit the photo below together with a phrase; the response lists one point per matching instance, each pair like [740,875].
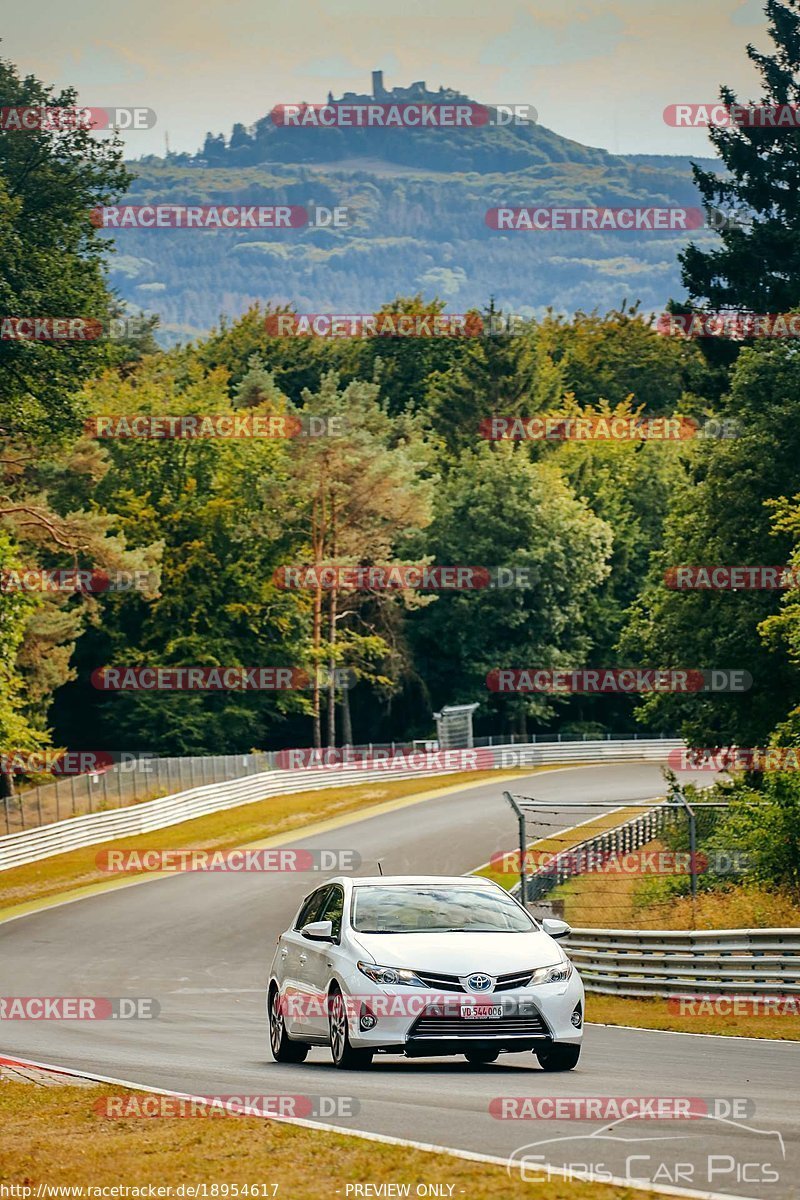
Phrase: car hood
[461,953]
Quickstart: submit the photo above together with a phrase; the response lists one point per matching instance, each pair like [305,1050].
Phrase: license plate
[478,1012]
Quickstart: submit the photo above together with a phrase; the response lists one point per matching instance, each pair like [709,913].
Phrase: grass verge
[53,1135]
[506,871]
[629,902]
[655,1014]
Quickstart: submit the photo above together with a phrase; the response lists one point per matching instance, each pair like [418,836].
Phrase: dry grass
[620,902]
[655,1014]
[506,872]
[53,1135]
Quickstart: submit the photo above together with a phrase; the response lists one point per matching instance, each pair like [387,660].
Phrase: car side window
[332,910]
[311,907]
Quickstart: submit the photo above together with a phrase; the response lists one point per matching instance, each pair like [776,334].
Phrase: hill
[418,199]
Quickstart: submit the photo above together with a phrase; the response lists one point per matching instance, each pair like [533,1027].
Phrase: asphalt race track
[201,944]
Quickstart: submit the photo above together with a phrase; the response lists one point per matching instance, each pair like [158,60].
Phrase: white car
[422,965]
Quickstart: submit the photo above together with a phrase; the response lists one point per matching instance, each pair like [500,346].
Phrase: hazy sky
[599,72]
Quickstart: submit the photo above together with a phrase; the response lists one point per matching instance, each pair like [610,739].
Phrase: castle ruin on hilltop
[414,93]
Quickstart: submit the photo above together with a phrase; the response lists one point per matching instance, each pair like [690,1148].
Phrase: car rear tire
[283,1049]
[559,1058]
[481,1057]
[343,1055]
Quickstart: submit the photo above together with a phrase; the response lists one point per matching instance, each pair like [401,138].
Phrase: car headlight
[558,973]
[380,974]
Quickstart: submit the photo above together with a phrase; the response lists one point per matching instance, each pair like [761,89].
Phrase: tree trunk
[332,671]
[317,630]
[347,726]
[6,783]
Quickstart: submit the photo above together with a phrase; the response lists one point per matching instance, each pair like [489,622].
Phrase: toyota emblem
[479,982]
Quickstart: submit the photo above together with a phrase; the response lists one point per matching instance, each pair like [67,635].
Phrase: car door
[320,956]
[293,961]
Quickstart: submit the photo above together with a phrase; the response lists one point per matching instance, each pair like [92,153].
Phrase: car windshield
[407,908]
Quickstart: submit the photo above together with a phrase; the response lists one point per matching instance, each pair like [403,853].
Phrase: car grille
[516,980]
[441,983]
[453,1026]
[451,983]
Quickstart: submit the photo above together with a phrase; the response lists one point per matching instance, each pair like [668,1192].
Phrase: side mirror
[318,931]
[556,929]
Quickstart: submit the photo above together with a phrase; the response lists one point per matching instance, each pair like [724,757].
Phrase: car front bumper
[419,1021]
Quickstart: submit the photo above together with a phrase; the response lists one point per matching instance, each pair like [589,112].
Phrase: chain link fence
[141,777]
[129,782]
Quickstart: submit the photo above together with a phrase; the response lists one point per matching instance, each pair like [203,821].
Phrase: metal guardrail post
[692,852]
[523,844]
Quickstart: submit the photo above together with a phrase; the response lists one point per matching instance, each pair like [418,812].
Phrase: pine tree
[758,265]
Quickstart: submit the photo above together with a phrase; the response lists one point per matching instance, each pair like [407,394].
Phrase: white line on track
[388,1140]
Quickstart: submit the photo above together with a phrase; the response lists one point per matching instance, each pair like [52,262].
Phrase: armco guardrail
[136,777]
[645,962]
[47,840]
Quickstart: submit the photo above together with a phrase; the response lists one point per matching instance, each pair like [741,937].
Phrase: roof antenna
[380,866]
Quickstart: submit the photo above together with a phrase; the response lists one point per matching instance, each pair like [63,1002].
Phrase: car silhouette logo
[479,982]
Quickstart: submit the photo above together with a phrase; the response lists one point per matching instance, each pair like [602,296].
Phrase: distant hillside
[485,150]
[420,199]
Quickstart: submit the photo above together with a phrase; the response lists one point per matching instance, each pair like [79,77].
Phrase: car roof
[454,880]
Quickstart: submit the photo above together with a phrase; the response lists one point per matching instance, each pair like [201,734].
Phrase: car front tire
[283,1049]
[343,1055]
[559,1057]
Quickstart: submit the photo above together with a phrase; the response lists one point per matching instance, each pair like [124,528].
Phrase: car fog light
[367,1020]
[577,1016]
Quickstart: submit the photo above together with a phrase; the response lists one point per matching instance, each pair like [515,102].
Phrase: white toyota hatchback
[422,965]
